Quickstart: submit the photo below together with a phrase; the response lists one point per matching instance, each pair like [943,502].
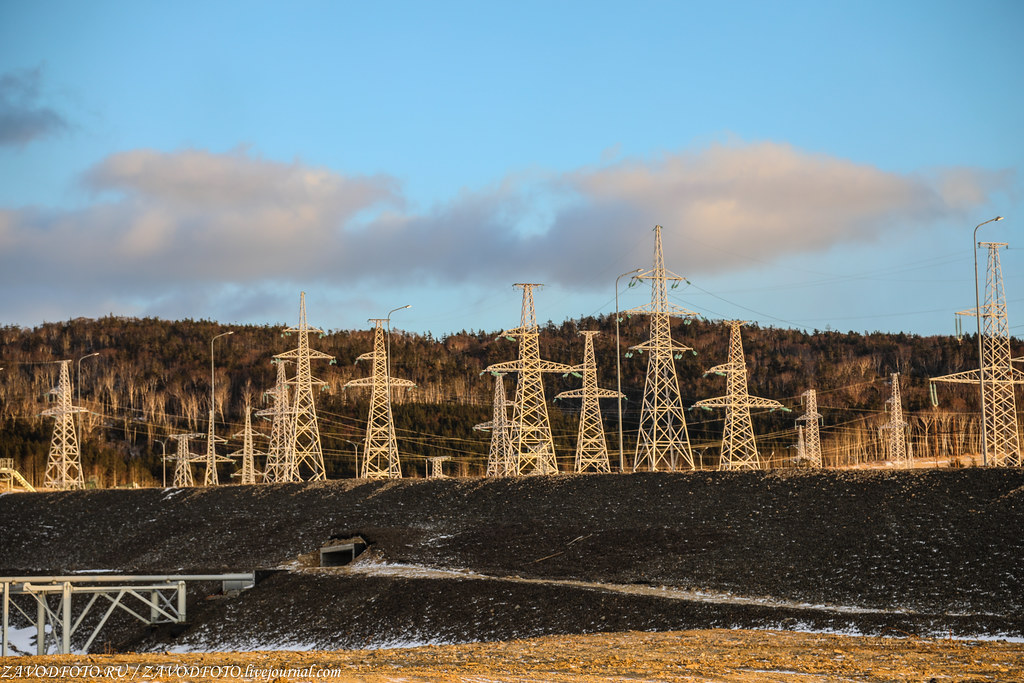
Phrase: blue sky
[813,164]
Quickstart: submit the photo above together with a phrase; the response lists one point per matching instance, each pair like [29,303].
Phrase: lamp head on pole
[998,218]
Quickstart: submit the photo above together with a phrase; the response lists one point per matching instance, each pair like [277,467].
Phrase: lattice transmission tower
[211,458]
[809,433]
[500,462]
[305,430]
[434,469]
[897,426]
[248,473]
[997,374]
[591,447]
[183,459]
[280,467]
[533,450]
[64,462]
[739,448]
[664,443]
[380,447]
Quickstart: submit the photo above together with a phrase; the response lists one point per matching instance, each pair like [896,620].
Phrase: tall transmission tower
[739,449]
[591,447]
[533,450]
[305,431]
[211,458]
[810,418]
[183,460]
[380,448]
[997,374]
[280,467]
[500,462]
[664,443]
[897,426]
[248,473]
[64,462]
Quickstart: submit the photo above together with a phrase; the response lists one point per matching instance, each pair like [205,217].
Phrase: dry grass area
[711,655]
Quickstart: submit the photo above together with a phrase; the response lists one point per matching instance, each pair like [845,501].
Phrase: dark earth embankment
[919,551]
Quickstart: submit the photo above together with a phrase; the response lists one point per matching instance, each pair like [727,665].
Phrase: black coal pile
[927,551]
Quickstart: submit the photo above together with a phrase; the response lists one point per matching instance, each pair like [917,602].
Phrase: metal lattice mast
[280,466]
[533,450]
[211,458]
[739,449]
[812,443]
[248,473]
[664,443]
[380,448]
[64,462]
[897,426]
[305,431]
[500,462]
[183,460]
[999,406]
[434,469]
[591,447]
[801,444]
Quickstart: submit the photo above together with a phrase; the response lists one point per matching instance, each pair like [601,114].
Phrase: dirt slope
[925,551]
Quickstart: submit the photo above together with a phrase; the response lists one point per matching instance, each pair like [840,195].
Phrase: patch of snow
[21,641]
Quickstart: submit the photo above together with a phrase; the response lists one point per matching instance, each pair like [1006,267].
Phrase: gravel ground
[694,656]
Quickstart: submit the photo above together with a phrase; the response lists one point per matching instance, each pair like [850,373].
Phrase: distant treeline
[151,379]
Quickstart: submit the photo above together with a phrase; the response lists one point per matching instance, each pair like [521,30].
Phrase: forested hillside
[151,379]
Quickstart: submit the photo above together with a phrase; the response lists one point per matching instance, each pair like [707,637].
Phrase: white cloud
[166,223]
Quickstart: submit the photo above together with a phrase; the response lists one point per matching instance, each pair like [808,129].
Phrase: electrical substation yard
[933,554]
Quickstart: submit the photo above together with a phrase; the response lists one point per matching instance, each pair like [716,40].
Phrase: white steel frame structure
[533,449]
[996,373]
[500,462]
[64,462]
[663,443]
[739,448]
[380,447]
[591,445]
[810,418]
[280,467]
[305,430]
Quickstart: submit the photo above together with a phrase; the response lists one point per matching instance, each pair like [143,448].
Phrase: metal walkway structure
[9,475]
[152,599]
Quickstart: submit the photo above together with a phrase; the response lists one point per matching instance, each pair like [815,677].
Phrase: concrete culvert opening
[338,552]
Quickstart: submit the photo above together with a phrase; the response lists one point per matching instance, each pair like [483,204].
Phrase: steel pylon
[998,405]
[305,430]
[739,448]
[664,443]
[64,461]
[248,474]
[434,469]
[811,417]
[211,458]
[897,426]
[183,459]
[591,446]
[380,447]
[533,450]
[280,467]
[500,462]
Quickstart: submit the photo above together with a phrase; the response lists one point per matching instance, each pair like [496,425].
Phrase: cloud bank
[178,221]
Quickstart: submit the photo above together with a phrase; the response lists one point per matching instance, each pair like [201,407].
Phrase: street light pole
[163,459]
[355,447]
[981,358]
[79,373]
[618,365]
[212,379]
